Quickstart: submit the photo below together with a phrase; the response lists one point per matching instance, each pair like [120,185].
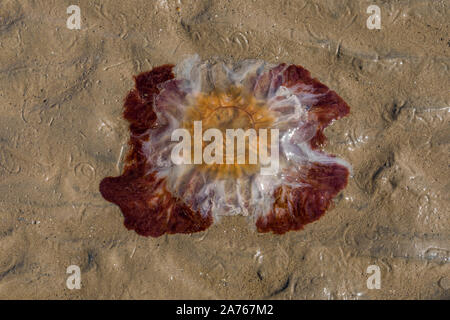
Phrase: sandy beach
[62,132]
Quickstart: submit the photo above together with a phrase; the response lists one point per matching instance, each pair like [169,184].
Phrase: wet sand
[61,133]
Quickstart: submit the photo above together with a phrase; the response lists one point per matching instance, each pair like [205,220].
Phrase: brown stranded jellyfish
[159,195]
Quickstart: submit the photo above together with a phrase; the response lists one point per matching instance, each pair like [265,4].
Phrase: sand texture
[61,133]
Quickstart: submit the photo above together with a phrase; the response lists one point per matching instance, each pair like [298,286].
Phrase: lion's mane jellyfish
[158,195]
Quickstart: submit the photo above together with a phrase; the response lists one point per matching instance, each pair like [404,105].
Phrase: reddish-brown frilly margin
[149,207]
[134,189]
[294,208]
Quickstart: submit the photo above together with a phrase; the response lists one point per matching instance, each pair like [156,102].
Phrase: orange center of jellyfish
[232,109]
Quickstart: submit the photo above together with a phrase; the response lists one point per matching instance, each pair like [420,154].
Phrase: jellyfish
[178,175]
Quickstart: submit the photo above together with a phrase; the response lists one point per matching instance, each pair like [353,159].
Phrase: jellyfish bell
[211,139]
[214,154]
